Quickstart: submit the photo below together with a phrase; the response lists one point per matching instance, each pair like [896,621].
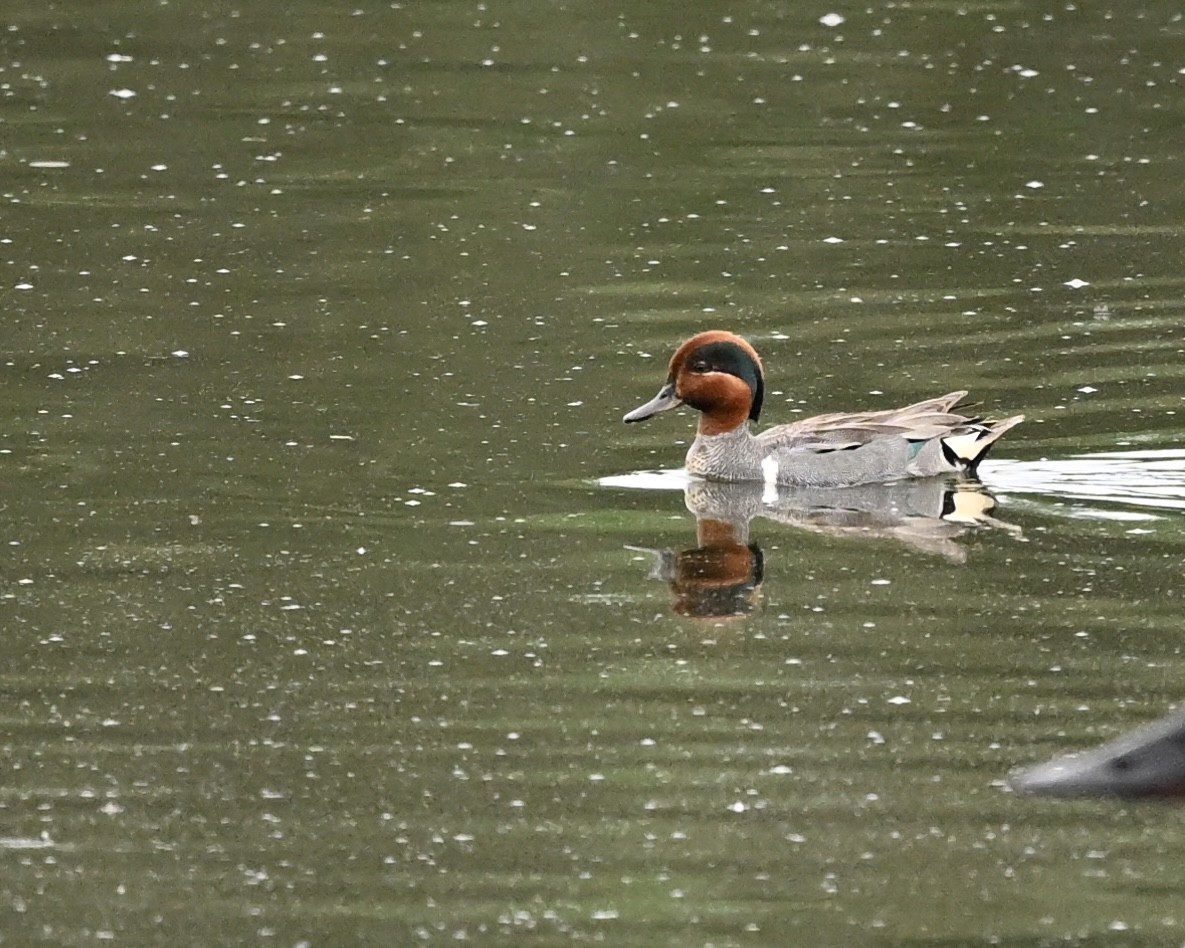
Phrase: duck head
[718,374]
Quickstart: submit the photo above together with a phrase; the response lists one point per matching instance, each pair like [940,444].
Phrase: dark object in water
[1146,762]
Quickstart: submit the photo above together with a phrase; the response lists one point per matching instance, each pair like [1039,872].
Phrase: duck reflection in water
[722,575]
[719,577]
[1146,762]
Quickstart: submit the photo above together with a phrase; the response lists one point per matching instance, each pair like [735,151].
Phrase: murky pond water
[335,608]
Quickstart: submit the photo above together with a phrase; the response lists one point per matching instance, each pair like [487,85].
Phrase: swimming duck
[719,374]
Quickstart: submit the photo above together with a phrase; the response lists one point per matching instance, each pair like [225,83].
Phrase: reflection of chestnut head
[712,582]
[719,578]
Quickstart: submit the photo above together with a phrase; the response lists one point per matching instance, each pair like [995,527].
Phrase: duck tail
[970,444]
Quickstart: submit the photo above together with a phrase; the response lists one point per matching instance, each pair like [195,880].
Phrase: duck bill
[665,400]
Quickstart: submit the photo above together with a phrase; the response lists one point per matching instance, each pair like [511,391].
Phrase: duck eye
[699,365]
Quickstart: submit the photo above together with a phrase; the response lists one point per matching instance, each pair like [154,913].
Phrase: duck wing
[919,440]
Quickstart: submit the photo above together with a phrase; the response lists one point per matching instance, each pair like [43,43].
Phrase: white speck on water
[605,915]
[833,240]
[461,523]
[876,737]
[831,19]
[899,699]
[1088,390]
[781,769]
[336,437]
[295,378]
[361,551]
[1035,185]
[23,286]
[596,778]
[880,582]
[180,353]
[49,164]
[122,93]
[739,807]
[26,842]
[1076,284]
[118,58]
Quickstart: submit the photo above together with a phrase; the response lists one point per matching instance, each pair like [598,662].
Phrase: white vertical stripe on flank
[769,467]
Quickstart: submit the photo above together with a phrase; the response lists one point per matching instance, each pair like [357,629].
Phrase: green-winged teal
[719,374]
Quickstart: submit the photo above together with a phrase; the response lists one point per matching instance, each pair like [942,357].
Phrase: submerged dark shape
[1146,762]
